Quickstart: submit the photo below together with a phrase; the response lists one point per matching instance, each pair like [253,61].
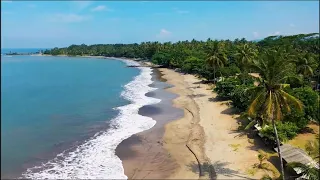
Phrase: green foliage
[266,177]
[240,97]
[246,79]
[226,87]
[231,70]
[192,65]
[308,171]
[310,100]
[161,58]
[297,118]
[286,131]
[312,147]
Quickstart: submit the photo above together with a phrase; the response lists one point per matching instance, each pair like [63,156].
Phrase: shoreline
[199,144]
[128,121]
[143,154]
[163,150]
[204,143]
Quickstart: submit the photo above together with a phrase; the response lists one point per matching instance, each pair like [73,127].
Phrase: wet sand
[143,155]
[203,143]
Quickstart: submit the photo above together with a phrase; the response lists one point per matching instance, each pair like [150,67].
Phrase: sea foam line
[96,159]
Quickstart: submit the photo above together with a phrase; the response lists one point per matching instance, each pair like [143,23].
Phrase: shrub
[161,58]
[296,117]
[310,100]
[192,65]
[226,87]
[231,70]
[240,97]
[246,79]
[286,131]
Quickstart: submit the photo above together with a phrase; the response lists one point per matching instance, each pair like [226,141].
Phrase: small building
[293,154]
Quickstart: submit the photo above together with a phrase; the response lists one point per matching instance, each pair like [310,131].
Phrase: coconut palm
[307,171]
[304,64]
[312,147]
[270,98]
[245,55]
[216,56]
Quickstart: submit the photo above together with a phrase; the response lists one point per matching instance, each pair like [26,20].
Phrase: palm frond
[269,104]
[256,104]
[248,126]
[291,99]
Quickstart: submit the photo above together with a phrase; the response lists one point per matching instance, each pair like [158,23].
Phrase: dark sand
[143,155]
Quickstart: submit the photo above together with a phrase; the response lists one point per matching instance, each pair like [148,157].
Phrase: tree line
[272,81]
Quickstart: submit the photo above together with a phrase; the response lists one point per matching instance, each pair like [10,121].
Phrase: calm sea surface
[49,103]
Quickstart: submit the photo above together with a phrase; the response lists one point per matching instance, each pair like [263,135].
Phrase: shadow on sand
[213,169]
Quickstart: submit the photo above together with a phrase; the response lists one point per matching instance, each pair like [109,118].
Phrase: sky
[48,24]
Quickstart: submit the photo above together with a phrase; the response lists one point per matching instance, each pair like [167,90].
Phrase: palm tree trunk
[278,146]
[214,75]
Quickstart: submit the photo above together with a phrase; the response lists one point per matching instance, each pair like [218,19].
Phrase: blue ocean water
[49,101]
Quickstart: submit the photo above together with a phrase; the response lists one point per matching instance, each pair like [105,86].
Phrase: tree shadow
[196,95]
[230,111]
[217,99]
[307,130]
[216,168]
[203,82]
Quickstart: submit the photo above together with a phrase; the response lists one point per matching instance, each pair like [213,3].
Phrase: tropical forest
[273,82]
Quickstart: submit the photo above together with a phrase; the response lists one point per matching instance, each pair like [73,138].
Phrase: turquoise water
[49,101]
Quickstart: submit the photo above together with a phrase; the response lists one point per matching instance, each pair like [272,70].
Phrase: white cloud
[274,34]
[255,34]
[164,33]
[68,18]
[292,25]
[100,8]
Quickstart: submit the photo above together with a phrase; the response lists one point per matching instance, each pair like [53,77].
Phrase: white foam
[96,159]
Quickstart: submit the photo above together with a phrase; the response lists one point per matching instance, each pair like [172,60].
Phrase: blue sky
[49,24]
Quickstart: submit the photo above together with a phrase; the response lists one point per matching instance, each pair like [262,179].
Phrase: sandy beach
[203,144]
[210,129]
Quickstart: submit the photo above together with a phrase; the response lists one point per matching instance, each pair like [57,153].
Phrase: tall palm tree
[270,98]
[304,64]
[307,171]
[245,55]
[216,56]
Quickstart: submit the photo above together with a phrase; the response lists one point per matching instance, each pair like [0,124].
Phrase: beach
[180,131]
[203,143]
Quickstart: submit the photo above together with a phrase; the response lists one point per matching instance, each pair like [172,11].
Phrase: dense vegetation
[273,80]
[233,60]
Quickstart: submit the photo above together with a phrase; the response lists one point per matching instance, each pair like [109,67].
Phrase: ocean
[63,117]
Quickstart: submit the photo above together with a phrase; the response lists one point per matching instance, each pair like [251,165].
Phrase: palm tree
[307,171]
[245,55]
[216,56]
[270,98]
[304,65]
[312,147]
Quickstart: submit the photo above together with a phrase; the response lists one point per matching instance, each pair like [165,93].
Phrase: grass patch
[302,139]
[252,171]
[251,141]
[235,147]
